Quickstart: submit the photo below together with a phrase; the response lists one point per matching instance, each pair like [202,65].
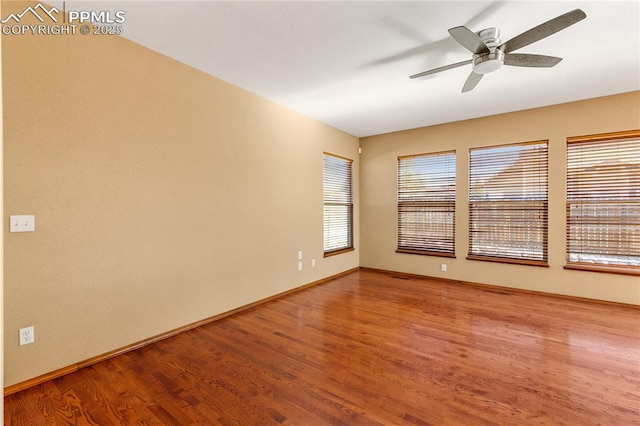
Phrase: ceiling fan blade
[469,39]
[444,68]
[472,81]
[543,30]
[527,60]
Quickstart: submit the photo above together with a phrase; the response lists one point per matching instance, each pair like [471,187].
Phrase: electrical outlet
[299,266]
[443,267]
[313,262]
[27,336]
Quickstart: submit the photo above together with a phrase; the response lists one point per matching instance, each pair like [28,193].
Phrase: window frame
[575,198]
[335,202]
[443,204]
[504,206]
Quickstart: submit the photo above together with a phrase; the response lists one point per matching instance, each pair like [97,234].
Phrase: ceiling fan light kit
[489,53]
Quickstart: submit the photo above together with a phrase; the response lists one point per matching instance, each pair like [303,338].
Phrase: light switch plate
[22,223]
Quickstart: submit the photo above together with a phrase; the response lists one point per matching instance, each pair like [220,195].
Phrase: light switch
[22,223]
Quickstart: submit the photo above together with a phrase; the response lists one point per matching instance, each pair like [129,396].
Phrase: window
[427,204]
[508,203]
[603,202]
[338,204]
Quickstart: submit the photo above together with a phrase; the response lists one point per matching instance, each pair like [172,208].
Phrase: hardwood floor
[369,348]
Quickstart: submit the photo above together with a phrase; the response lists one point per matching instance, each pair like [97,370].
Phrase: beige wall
[378,198]
[162,196]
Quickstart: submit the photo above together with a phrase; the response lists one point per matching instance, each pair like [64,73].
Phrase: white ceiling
[347,63]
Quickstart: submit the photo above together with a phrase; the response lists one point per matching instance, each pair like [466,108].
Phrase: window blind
[508,203]
[427,203]
[603,200]
[338,204]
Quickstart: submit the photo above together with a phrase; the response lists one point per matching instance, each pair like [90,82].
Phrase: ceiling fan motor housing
[484,63]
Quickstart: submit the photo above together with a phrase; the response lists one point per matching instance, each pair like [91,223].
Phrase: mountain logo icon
[16,17]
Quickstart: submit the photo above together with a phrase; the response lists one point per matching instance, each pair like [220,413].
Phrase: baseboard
[9,390]
[501,288]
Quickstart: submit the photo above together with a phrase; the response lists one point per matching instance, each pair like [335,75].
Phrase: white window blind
[338,204]
[508,203]
[603,201]
[427,203]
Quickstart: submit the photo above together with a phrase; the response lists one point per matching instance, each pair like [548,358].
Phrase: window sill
[540,263]
[621,270]
[426,253]
[336,252]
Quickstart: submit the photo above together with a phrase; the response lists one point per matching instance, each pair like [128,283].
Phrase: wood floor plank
[369,348]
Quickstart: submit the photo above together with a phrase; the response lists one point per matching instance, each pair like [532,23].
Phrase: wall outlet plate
[27,336]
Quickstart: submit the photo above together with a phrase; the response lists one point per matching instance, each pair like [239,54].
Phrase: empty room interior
[308,213]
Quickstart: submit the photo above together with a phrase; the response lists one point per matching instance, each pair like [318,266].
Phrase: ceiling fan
[490,53]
